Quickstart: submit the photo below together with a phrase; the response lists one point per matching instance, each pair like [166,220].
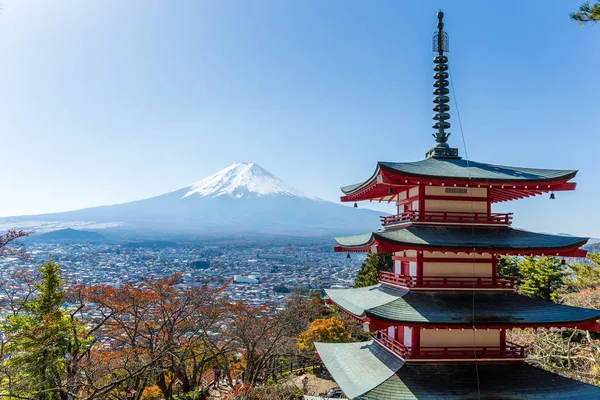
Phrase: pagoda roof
[359,367]
[364,371]
[460,169]
[440,309]
[505,240]
[504,183]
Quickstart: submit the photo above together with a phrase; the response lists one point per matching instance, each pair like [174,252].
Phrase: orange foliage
[328,330]
[152,393]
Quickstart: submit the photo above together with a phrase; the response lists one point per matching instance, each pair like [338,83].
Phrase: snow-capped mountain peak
[242,179]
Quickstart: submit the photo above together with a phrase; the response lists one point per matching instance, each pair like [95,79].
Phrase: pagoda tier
[380,307]
[368,371]
[435,178]
[505,241]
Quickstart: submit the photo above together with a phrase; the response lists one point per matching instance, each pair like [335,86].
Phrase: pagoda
[438,321]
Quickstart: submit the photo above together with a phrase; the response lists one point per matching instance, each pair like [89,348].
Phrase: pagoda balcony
[448,282]
[510,351]
[447,218]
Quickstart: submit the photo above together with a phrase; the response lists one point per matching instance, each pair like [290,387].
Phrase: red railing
[454,282]
[510,350]
[443,217]
[391,344]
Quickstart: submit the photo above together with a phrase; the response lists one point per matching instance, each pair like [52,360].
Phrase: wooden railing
[391,344]
[449,282]
[510,350]
[442,217]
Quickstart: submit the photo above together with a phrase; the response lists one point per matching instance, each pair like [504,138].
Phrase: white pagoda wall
[458,337]
[478,197]
[456,269]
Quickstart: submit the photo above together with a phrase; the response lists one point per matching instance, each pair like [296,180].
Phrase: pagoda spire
[441,107]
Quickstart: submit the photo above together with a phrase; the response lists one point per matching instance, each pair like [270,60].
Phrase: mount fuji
[242,198]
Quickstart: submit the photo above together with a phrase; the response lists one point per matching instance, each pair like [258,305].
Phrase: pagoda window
[407,336]
[414,206]
[398,267]
[412,268]
[391,331]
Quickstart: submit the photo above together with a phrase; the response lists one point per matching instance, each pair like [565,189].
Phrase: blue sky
[104,102]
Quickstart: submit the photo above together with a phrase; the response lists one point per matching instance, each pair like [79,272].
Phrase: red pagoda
[439,319]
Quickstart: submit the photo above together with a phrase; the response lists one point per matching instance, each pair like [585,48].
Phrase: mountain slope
[242,198]
[71,235]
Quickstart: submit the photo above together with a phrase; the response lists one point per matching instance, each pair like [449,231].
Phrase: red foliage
[8,245]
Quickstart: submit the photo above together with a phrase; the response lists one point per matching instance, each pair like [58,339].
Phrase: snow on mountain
[240,198]
[242,179]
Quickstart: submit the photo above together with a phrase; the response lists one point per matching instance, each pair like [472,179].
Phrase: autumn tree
[9,243]
[159,333]
[259,332]
[367,275]
[587,13]
[266,392]
[328,330]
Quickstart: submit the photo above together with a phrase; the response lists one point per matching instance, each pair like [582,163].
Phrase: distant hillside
[70,235]
[592,248]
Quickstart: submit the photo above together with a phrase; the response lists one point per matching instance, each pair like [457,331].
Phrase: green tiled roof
[495,381]
[456,308]
[366,371]
[356,301]
[459,169]
[463,237]
[358,367]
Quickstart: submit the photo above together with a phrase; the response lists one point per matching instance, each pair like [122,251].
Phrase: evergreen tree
[41,340]
[541,277]
[508,266]
[587,13]
[367,275]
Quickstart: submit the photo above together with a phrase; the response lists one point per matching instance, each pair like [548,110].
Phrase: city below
[259,273]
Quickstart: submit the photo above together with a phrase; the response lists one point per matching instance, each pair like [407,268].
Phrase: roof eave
[570,174]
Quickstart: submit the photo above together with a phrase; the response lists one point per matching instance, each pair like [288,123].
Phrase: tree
[570,352]
[328,330]
[40,341]
[584,276]
[541,277]
[508,266]
[267,392]
[259,332]
[159,333]
[587,13]
[367,275]
[9,243]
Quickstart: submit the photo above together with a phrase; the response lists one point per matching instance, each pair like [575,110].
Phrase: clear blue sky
[110,101]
